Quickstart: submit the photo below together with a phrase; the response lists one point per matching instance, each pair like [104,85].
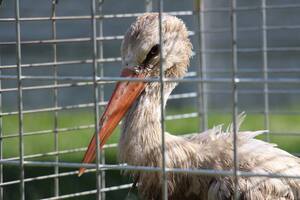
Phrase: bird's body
[140,142]
[140,145]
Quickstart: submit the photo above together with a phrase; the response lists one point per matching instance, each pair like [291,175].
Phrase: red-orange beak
[124,95]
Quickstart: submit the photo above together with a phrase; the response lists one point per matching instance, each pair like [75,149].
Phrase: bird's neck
[142,127]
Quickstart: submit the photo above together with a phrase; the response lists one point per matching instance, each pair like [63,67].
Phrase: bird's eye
[152,53]
[154,50]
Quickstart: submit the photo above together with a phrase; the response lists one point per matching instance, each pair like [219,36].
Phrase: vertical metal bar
[161,79]
[203,68]
[234,94]
[96,95]
[201,95]
[55,98]
[20,98]
[100,71]
[1,133]
[265,69]
[148,5]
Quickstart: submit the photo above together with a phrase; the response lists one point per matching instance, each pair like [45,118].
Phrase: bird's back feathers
[213,149]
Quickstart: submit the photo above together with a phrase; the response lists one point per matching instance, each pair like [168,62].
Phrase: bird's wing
[218,133]
[262,157]
[259,188]
[254,156]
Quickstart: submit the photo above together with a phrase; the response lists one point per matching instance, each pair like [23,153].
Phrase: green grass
[75,139]
[79,138]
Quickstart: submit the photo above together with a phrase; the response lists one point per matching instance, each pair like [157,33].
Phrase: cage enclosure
[60,59]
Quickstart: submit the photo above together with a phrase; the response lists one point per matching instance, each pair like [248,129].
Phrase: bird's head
[141,53]
[141,45]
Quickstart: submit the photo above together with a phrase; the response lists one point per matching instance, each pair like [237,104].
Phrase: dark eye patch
[154,50]
[152,53]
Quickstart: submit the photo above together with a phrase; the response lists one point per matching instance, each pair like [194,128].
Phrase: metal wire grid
[97,81]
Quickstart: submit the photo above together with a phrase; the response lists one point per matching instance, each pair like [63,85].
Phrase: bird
[139,105]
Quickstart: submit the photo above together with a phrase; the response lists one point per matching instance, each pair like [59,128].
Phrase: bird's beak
[123,97]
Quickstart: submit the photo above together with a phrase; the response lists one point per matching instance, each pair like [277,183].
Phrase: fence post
[20,98]
[201,67]
[55,97]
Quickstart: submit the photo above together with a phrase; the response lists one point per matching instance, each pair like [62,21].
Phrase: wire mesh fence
[59,61]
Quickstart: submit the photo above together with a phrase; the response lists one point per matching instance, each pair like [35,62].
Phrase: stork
[140,142]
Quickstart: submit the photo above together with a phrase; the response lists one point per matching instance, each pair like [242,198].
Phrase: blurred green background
[75,139]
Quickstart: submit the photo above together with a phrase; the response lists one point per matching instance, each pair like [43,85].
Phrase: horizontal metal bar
[120,37]
[88,17]
[64,85]
[44,177]
[70,62]
[212,69]
[66,40]
[130,15]
[254,91]
[269,132]
[69,174]
[105,167]
[223,30]
[225,50]
[253,69]
[183,95]
[236,80]
[190,95]
[43,132]
[71,40]
[250,50]
[114,145]
[227,9]
[61,130]
[182,116]
[250,8]
[119,187]
[254,28]
[64,174]
[272,112]
[61,152]
[73,173]
[89,105]
[43,87]
[239,90]
[77,78]
[174,96]
[294,112]
[118,59]
[282,27]
[77,194]
[60,108]
[102,80]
